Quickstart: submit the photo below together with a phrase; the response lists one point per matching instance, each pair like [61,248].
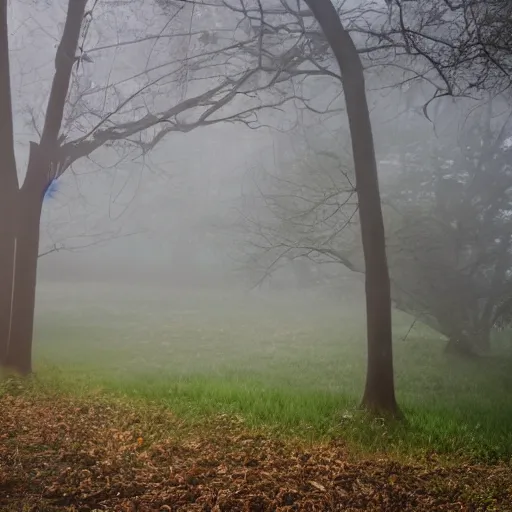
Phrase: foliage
[447,205]
[450,244]
[77,454]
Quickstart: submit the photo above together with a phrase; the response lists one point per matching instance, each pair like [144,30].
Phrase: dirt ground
[65,454]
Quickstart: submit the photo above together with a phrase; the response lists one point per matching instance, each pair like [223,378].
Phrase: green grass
[294,365]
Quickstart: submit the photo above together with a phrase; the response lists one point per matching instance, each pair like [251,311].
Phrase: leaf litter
[83,454]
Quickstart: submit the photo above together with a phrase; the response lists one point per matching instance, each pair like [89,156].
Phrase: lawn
[292,364]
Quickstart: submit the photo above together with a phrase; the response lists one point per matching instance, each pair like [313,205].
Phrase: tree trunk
[8,186]
[460,345]
[19,355]
[487,319]
[45,164]
[379,394]
[6,280]
[468,336]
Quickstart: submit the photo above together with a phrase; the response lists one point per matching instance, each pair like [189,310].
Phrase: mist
[255,255]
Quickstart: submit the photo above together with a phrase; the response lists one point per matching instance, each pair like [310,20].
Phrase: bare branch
[9,173]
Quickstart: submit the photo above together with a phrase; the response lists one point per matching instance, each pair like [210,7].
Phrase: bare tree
[415,52]
[27,208]
[262,66]
[447,211]
[450,247]
[464,44]
[228,82]
[379,394]
[8,190]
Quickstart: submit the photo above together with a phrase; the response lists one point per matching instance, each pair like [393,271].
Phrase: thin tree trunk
[19,355]
[379,394]
[45,164]
[486,320]
[6,280]
[8,186]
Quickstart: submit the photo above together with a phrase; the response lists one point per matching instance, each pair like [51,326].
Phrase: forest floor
[59,453]
[147,400]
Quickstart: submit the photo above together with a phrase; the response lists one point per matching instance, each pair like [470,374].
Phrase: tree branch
[9,173]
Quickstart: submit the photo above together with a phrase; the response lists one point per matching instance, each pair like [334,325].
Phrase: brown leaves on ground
[72,455]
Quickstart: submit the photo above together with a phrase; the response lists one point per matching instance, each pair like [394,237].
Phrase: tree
[27,200]
[414,52]
[8,190]
[465,44]
[292,27]
[446,204]
[82,117]
[408,41]
[379,394]
[450,247]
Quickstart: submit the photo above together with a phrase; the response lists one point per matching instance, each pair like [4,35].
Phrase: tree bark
[19,354]
[379,394]
[45,164]
[6,280]
[8,186]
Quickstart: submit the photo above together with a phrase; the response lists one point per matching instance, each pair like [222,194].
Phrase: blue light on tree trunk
[51,190]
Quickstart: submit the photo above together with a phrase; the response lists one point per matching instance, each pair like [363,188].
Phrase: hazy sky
[184,178]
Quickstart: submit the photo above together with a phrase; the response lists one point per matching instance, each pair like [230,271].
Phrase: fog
[174,217]
[216,197]
[255,255]
[186,179]
[144,213]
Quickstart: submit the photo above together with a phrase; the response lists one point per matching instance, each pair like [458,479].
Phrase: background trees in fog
[447,211]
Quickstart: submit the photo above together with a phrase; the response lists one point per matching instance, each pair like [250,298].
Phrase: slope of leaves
[70,454]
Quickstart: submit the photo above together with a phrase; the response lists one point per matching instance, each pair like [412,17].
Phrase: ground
[147,400]
[84,455]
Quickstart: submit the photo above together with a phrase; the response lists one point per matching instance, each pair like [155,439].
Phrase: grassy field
[293,365]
